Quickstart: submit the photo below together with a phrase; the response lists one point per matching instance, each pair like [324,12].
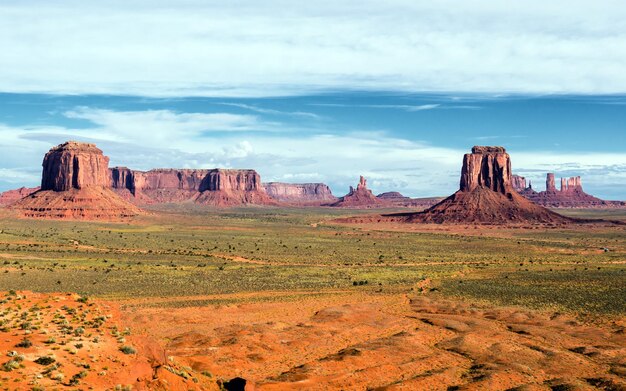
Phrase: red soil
[357,341]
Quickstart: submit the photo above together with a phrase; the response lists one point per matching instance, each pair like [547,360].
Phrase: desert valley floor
[290,298]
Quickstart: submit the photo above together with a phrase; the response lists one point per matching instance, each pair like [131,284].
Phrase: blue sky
[325,91]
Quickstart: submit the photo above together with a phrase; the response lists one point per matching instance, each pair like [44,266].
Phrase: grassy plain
[183,252]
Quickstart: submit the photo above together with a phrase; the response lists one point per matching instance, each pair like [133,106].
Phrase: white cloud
[272,111]
[252,48]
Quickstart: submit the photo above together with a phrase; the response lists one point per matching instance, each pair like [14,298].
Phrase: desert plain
[295,298]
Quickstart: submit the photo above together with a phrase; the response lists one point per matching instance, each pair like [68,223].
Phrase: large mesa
[217,187]
[75,184]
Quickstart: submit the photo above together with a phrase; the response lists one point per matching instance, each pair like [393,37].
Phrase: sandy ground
[359,341]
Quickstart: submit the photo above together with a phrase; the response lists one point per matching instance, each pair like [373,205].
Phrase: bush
[25,343]
[128,350]
[45,360]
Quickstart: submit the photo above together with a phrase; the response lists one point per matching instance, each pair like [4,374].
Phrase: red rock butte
[486,195]
[74,184]
[361,197]
[570,194]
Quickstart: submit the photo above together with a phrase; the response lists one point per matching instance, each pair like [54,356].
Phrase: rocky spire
[550,184]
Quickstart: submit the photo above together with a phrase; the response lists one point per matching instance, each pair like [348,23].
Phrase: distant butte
[570,194]
[361,197]
[300,194]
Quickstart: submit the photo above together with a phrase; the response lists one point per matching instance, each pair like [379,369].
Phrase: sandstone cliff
[74,165]
[300,193]
[219,187]
[75,184]
[227,187]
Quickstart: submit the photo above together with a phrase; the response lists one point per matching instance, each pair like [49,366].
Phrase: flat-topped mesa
[220,187]
[74,165]
[75,184]
[300,193]
[487,167]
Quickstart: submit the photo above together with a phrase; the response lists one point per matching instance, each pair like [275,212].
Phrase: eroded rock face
[488,167]
[300,193]
[220,187]
[74,165]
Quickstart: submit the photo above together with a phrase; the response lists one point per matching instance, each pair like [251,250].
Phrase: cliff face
[75,184]
[361,197]
[486,195]
[221,187]
[74,165]
[300,193]
[487,167]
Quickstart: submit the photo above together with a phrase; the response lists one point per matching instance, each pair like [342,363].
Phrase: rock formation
[74,165]
[361,197]
[518,183]
[219,187]
[222,187]
[570,195]
[11,196]
[300,193]
[396,199]
[486,195]
[550,184]
[486,167]
[74,184]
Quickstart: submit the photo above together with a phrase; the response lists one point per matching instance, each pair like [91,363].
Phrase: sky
[324,91]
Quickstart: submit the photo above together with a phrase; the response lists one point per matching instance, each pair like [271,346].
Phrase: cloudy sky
[319,91]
